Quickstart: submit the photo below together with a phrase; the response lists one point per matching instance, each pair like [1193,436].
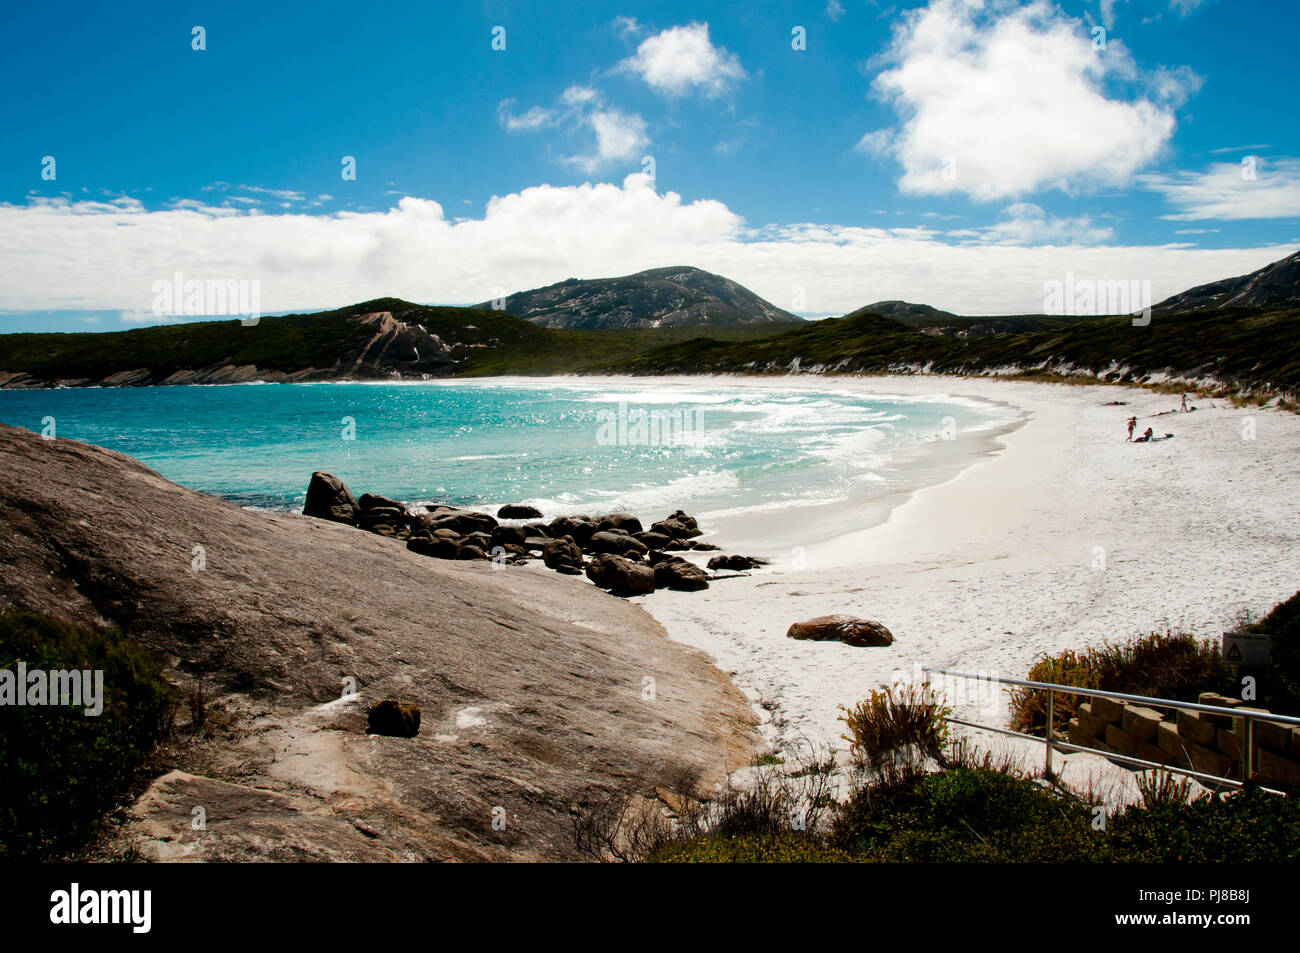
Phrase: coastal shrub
[1159,788]
[893,730]
[1161,665]
[61,769]
[1247,825]
[1279,684]
[967,814]
[978,810]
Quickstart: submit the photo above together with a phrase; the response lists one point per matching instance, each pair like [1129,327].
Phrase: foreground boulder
[621,576]
[329,499]
[842,628]
[523,678]
[391,717]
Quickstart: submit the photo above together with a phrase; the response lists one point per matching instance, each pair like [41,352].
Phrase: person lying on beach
[1145,438]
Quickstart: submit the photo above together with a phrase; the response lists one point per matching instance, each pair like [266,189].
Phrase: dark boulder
[621,521]
[464,522]
[692,527]
[677,528]
[562,555]
[736,563]
[470,551]
[673,572]
[373,501]
[654,540]
[608,541]
[537,529]
[620,576]
[579,527]
[391,717]
[842,628]
[508,536]
[329,499]
[438,547]
[518,511]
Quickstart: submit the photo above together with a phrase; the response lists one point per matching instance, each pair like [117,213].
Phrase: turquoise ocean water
[566,446]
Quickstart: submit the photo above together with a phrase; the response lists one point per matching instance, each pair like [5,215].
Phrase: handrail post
[1248,756]
[1051,706]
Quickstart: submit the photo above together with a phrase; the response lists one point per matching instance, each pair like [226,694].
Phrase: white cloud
[835,10]
[1024,223]
[536,117]
[682,59]
[616,136]
[620,136]
[541,235]
[1228,192]
[998,101]
[626,26]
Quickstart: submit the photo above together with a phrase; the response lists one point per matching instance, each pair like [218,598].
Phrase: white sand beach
[1065,536]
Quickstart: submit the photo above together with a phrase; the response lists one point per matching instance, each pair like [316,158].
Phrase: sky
[958,153]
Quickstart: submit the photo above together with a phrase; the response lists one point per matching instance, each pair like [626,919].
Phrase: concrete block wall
[1202,741]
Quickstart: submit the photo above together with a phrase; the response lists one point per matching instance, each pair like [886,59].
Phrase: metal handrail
[1249,715]
[1098,693]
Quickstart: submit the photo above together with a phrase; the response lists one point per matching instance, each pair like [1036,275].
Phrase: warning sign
[1246,648]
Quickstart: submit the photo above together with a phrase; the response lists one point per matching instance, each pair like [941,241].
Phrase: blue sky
[952,152]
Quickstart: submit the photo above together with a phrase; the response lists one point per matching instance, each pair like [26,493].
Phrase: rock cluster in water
[615,551]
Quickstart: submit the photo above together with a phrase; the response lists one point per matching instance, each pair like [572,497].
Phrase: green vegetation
[1240,346]
[911,801]
[62,770]
[1243,348]
[973,810]
[1174,666]
[1279,684]
[280,344]
[483,342]
[894,728]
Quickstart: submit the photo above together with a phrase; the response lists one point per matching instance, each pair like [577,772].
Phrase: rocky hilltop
[661,297]
[539,692]
[1273,286]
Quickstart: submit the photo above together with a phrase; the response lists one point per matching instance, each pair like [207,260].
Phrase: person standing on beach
[1132,425]
[1183,408]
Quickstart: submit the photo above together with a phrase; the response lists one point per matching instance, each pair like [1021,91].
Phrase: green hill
[1236,346]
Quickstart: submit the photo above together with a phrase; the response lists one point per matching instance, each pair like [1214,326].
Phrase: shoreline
[1066,536]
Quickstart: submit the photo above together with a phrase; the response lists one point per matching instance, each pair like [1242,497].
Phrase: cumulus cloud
[615,136]
[1255,188]
[835,10]
[997,101]
[544,234]
[682,59]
